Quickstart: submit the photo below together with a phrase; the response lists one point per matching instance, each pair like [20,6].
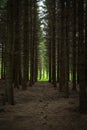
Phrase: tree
[53,9]
[62,56]
[26,45]
[9,55]
[33,42]
[3,37]
[49,39]
[86,41]
[81,59]
[74,45]
[66,87]
[17,45]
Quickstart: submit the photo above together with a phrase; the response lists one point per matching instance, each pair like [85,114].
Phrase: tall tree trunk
[62,56]
[31,43]
[26,45]
[81,52]
[58,39]
[3,62]
[74,45]
[66,88]
[86,43]
[54,43]
[9,55]
[17,46]
[50,52]
[35,37]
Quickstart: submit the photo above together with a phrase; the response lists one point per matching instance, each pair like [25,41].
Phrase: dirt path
[42,108]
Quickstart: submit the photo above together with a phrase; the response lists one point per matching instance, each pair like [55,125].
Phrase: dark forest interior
[43,57]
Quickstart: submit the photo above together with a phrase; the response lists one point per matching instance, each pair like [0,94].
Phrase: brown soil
[42,107]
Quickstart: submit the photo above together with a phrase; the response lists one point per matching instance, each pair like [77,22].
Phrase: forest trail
[42,107]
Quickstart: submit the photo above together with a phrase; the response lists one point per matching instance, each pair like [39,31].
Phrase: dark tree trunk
[9,54]
[62,56]
[66,88]
[58,40]
[54,43]
[17,46]
[74,45]
[81,58]
[26,45]
[32,43]
[3,62]
[86,44]
[35,42]
[49,39]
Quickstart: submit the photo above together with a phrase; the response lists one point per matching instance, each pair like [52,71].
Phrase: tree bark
[9,55]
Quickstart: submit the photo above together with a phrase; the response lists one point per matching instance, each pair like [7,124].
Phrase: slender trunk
[17,46]
[9,55]
[31,46]
[50,41]
[81,52]
[2,62]
[54,43]
[66,88]
[62,64]
[26,45]
[74,45]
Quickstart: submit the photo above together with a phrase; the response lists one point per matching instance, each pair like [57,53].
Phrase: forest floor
[42,107]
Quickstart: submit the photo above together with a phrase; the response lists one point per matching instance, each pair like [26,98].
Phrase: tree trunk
[74,45]
[54,43]
[66,87]
[81,58]
[26,45]
[9,55]
[62,56]
[17,46]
